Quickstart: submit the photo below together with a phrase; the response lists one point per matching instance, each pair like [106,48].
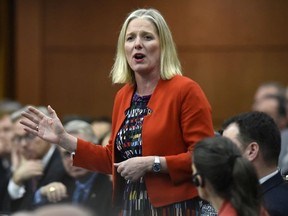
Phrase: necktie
[79,193]
[34,183]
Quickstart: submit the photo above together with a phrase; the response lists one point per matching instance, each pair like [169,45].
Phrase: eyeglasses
[28,137]
[66,154]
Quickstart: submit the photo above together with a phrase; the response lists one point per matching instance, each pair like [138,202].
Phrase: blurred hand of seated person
[26,170]
[25,166]
[54,192]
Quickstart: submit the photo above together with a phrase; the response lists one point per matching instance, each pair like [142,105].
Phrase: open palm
[46,127]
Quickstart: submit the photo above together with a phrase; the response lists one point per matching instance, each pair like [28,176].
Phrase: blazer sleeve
[93,157]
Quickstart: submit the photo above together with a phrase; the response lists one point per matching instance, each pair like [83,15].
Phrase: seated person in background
[268,88]
[270,98]
[106,138]
[92,190]
[36,163]
[226,179]
[6,134]
[101,127]
[285,155]
[275,106]
[286,94]
[258,138]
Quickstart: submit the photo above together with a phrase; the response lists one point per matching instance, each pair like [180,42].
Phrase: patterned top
[129,139]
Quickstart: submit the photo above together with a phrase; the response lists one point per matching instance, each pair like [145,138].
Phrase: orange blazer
[180,116]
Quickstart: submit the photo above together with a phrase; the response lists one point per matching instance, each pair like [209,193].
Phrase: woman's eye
[148,37]
[129,38]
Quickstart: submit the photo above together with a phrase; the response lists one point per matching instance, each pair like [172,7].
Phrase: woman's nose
[138,43]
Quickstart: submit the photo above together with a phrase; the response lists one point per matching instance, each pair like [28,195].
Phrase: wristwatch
[156,165]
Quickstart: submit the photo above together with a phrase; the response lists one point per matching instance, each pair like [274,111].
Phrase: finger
[119,169]
[29,130]
[118,166]
[61,193]
[30,117]
[21,157]
[58,194]
[49,196]
[36,112]
[30,125]
[52,112]
[52,195]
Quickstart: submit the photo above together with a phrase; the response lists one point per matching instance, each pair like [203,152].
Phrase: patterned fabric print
[129,139]
[129,144]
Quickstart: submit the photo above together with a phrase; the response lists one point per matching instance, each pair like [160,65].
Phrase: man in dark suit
[5,157]
[91,190]
[36,163]
[6,134]
[258,137]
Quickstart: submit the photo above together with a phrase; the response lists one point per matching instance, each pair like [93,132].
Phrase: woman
[226,179]
[158,116]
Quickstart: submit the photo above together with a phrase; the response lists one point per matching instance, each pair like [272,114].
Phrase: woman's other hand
[134,168]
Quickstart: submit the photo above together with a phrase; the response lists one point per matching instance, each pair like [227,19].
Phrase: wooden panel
[77,83]
[83,23]
[29,51]
[230,23]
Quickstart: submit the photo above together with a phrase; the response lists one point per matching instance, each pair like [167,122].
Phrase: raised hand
[47,127]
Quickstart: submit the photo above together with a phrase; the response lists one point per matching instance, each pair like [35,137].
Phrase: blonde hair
[170,64]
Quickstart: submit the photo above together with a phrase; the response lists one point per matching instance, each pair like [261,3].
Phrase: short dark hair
[261,128]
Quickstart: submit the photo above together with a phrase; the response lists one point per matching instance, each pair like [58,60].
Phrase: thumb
[52,112]
[17,159]
[22,159]
[117,164]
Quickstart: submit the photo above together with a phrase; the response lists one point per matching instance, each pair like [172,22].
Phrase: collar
[48,155]
[265,178]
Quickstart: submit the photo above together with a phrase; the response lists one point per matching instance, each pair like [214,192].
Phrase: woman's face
[142,47]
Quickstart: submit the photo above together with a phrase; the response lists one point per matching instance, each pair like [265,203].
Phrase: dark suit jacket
[99,199]
[54,171]
[4,179]
[275,195]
